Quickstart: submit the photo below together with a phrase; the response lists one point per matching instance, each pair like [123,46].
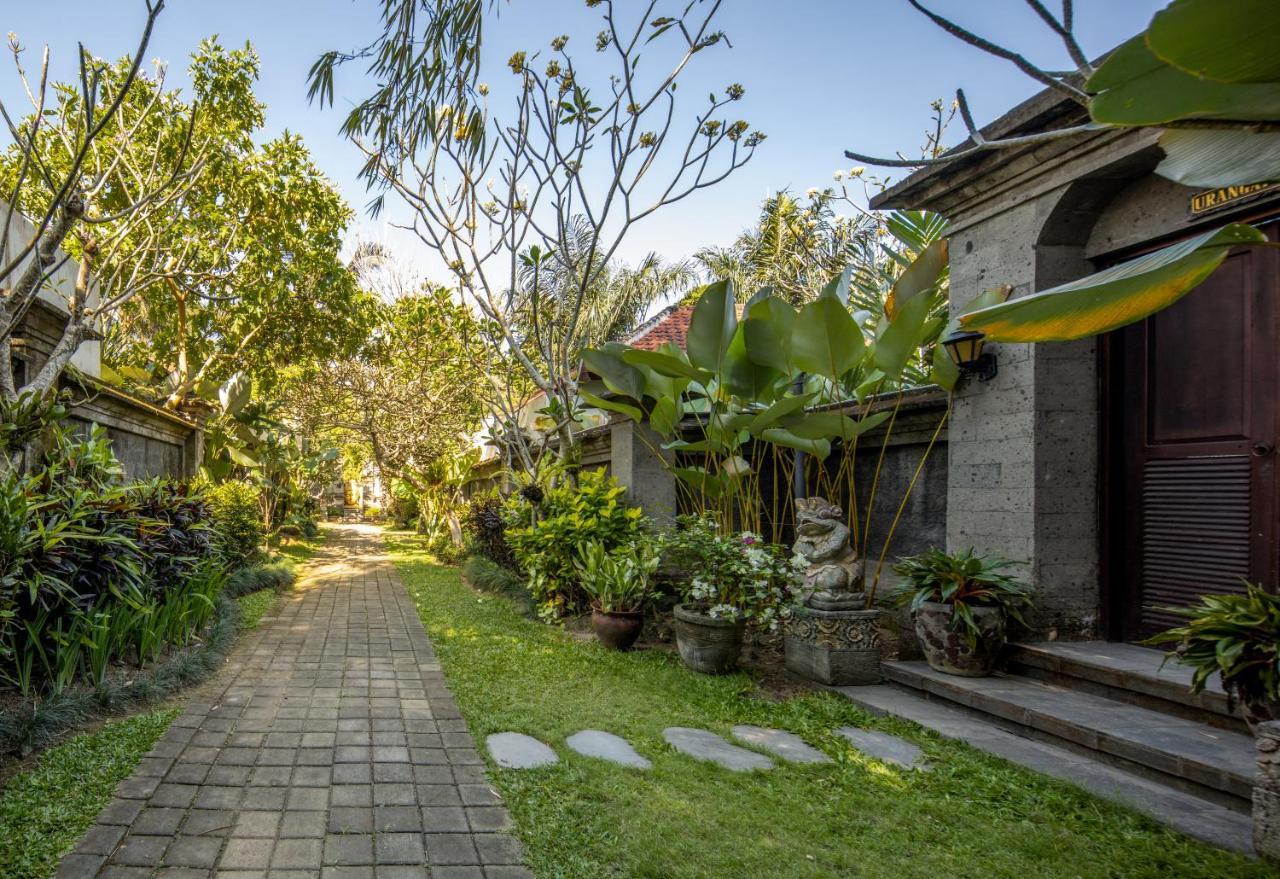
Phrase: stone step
[1201,759]
[1192,815]
[1126,673]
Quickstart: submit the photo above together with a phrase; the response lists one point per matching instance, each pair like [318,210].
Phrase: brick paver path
[329,746]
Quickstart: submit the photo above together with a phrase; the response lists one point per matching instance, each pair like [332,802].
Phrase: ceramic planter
[707,644]
[617,630]
[947,648]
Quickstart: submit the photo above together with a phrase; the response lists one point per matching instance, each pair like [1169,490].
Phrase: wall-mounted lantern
[964,347]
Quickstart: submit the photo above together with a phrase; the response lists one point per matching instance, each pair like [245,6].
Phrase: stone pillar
[638,469]
[1266,792]
[193,453]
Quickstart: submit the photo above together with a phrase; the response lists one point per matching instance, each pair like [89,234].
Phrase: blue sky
[820,75]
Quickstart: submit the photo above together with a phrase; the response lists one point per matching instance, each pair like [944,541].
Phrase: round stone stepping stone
[788,746]
[885,747]
[513,750]
[606,746]
[703,744]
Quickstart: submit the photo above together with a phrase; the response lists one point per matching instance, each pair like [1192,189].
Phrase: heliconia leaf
[712,326]
[819,448]
[618,375]
[944,372]
[1204,157]
[665,415]
[243,458]
[822,425]
[825,340]
[902,337]
[666,364]
[742,377]
[923,275]
[779,409]
[611,405]
[1227,42]
[1114,297]
[767,330]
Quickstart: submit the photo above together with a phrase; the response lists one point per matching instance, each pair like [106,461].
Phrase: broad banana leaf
[1227,42]
[1134,87]
[838,287]
[825,340]
[1204,157]
[712,327]
[612,405]
[902,337]
[1114,297]
[743,377]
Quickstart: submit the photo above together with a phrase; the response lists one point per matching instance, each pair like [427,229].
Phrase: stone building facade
[1036,455]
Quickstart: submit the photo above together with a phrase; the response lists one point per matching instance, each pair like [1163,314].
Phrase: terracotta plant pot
[947,649]
[707,644]
[617,630]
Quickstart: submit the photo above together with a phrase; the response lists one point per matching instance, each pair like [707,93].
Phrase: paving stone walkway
[328,747]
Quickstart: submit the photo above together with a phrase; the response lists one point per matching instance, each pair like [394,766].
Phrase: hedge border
[35,726]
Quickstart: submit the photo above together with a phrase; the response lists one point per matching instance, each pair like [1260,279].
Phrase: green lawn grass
[254,605]
[43,812]
[972,816]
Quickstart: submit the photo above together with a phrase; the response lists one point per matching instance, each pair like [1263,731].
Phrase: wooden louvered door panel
[1199,430]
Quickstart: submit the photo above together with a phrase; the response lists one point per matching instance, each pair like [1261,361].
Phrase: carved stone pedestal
[1266,792]
[834,647]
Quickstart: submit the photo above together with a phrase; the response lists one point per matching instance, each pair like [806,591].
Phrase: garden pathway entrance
[329,746]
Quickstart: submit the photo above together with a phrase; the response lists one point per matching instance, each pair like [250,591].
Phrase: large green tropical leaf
[618,375]
[612,405]
[838,287]
[665,415]
[903,336]
[825,340]
[1231,41]
[235,393]
[712,327]
[922,276]
[1114,297]
[666,363]
[767,329]
[779,409]
[780,436]
[1210,158]
[1134,87]
[745,379]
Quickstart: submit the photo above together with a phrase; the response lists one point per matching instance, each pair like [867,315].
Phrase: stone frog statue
[823,538]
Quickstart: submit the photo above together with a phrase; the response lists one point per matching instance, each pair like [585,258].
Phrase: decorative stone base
[834,647]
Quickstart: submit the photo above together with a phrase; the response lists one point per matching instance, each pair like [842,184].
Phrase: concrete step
[1125,673]
[1207,761]
[1196,817]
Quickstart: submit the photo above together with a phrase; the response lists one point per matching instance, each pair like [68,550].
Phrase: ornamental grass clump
[735,577]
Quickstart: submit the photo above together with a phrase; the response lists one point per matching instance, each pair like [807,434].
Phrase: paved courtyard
[329,746]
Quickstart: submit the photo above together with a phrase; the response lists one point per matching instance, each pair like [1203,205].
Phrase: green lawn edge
[973,815]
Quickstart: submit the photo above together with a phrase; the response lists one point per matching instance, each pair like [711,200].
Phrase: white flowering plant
[737,576]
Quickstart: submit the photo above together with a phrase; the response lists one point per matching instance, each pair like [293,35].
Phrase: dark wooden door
[1197,511]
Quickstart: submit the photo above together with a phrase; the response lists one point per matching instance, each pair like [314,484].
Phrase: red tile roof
[670,325]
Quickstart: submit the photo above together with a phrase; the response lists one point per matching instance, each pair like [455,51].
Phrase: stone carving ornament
[835,578]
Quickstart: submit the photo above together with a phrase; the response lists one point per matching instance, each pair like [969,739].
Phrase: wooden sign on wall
[1212,200]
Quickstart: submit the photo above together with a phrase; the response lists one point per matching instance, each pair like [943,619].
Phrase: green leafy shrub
[568,516]
[486,531]
[234,510]
[732,576]
[617,581]
[1237,637]
[92,571]
[404,508]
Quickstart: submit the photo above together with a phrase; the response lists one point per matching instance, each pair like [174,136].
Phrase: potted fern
[617,582]
[1238,638]
[962,603]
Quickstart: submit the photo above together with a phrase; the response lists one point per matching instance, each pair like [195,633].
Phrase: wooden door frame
[1112,595]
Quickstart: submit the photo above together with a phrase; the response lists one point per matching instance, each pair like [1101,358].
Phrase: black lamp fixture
[964,347]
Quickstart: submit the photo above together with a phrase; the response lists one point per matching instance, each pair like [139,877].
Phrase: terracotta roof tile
[671,325]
